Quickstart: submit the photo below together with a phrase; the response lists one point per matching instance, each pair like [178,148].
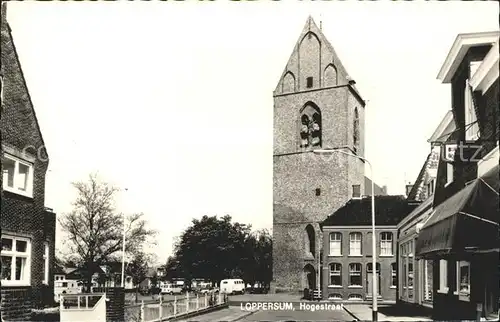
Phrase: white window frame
[386,245]
[355,273]
[463,295]
[335,251]
[472,130]
[29,179]
[335,270]
[46,258]
[355,297]
[15,254]
[427,288]
[355,241]
[449,173]
[443,276]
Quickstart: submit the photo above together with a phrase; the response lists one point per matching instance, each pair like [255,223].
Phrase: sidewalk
[363,312]
[230,314]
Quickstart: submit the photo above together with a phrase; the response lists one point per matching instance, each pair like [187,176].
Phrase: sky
[172,101]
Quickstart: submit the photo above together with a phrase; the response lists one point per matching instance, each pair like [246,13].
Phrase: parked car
[232,286]
[171,289]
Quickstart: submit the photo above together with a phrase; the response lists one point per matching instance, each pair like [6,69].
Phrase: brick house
[316,105]
[28,228]
[461,237]
[415,276]
[347,244]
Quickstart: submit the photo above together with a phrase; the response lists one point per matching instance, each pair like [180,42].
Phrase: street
[235,313]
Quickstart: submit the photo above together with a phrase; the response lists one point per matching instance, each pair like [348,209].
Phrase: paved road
[235,313]
[299,316]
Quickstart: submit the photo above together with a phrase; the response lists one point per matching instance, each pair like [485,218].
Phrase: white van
[232,286]
[168,288]
[65,287]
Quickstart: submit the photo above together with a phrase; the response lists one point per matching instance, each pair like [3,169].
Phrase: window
[471,125]
[335,244]
[17,175]
[355,297]
[335,274]
[463,278]
[46,263]
[15,260]
[318,192]
[355,134]
[443,276]
[386,244]
[428,280]
[335,297]
[356,191]
[309,82]
[394,279]
[355,244]
[355,274]
[310,126]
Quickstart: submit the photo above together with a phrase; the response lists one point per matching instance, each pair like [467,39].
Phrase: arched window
[310,241]
[335,274]
[355,133]
[310,126]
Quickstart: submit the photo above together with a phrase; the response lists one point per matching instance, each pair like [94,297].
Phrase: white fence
[83,307]
[165,310]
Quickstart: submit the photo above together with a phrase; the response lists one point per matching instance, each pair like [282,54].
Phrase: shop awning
[467,222]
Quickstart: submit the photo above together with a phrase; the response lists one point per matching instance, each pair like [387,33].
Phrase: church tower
[316,106]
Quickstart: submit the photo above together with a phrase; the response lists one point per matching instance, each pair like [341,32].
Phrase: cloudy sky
[173,100]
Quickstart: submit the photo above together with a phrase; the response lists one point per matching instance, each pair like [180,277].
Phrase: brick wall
[308,187]
[387,292]
[115,303]
[23,216]
[16,303]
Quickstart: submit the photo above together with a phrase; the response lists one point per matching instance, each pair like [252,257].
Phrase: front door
[369,284]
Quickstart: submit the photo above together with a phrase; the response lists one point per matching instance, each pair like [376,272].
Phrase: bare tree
[95,231]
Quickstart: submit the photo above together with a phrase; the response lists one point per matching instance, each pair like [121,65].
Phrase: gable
[19,123]
[313,57]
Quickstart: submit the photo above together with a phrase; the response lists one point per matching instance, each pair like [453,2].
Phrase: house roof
[10,57]
[459,49]
[417,185]
[389,211]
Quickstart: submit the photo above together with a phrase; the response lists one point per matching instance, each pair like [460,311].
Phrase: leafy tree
[211,248]
[95,231]
[138,270]
[264,259]
[154,280]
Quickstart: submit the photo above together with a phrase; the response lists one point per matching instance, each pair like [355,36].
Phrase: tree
[211,248]
[264,258]
[138,270]
[95,231]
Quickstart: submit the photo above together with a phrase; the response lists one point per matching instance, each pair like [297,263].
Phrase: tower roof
[311,28]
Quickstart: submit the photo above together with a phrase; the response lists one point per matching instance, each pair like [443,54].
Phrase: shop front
[461,240]
[415,275]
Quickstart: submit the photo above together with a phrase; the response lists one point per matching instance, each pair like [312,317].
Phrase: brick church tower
[316,106]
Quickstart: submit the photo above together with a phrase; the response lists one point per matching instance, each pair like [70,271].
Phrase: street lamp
[374,238]
[123,249]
